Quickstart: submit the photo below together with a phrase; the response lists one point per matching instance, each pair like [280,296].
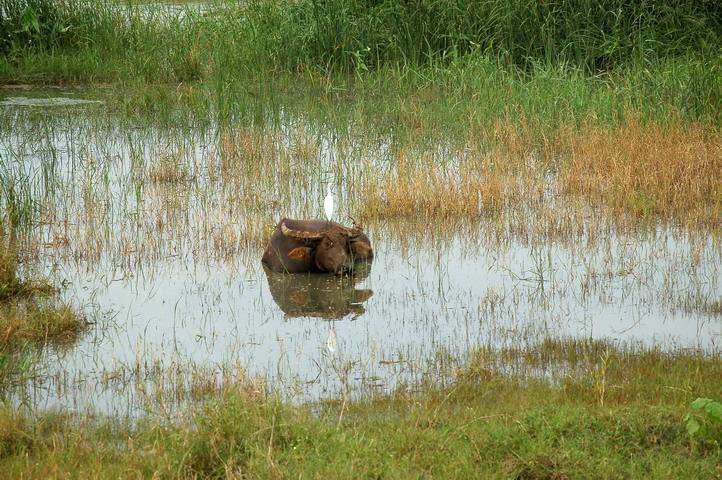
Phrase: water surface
[159,242]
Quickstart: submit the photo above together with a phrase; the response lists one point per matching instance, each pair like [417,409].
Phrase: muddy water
[173,278]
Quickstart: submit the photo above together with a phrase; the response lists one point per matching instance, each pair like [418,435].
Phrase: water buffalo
[316,246]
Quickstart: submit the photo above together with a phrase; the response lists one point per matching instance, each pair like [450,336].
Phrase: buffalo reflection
[322,296]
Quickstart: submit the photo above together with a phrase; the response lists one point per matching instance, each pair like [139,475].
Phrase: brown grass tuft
[31,321]
[29,311]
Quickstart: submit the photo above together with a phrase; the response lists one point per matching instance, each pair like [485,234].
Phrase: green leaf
[714,410]
[692,427]
[700,403]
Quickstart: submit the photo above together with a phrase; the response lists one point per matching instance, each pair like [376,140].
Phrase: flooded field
[156,236]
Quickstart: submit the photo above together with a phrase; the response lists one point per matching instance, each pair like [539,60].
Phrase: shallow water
[162,261]
[44,102]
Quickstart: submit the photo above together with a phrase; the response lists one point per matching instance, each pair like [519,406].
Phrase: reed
[642,51]
[596,36]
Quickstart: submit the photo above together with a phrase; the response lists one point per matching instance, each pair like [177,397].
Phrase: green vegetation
[571,56]
[353,35]
[485,423]
[563,82]
[704,421]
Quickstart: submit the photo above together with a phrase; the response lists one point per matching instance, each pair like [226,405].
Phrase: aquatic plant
[29,311]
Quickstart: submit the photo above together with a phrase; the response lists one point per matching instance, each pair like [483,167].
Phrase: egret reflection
[332,339]
[322,296]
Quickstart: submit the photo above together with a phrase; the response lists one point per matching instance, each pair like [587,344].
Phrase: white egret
[328,203]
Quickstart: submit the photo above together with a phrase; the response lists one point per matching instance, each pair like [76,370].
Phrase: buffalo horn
[304,235]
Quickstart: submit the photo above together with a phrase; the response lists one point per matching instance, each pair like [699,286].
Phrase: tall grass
[593,35]
[78,41]
[658,53]
[673,171]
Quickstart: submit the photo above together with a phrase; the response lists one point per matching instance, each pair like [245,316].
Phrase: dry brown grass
[32,321]
[472,181]
[437,191]
[169,169]
[672,171]
[29,310]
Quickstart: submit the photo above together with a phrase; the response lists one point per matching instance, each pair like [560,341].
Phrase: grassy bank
[654,57]
[612,413]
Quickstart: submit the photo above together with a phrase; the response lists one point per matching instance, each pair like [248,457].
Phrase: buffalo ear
[300,253]
[361,250]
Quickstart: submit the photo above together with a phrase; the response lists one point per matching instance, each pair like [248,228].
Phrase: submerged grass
[491,421]
[670,172]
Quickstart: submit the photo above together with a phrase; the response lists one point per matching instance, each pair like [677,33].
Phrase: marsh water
[158,242]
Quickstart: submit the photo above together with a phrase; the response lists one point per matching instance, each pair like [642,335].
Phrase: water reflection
[321,296]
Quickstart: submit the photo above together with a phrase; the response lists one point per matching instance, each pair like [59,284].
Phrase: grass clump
[38,321]
[418,184]
[29,311]
[11,286]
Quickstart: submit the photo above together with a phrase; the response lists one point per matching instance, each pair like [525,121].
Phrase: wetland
[159,235]
[545,299]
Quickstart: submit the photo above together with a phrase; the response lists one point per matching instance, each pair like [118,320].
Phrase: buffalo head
[308,246]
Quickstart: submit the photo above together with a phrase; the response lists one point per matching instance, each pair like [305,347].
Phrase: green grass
[484,423]
[553,61]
